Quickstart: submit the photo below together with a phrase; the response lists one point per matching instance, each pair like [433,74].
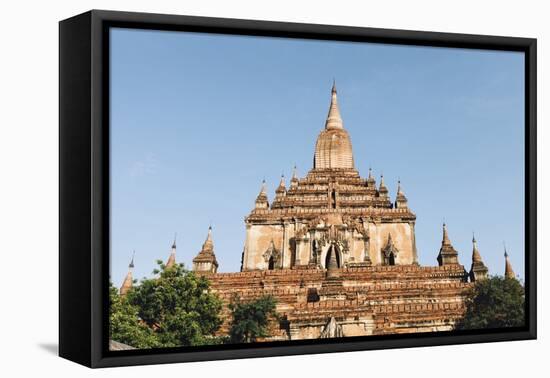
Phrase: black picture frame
[84,185]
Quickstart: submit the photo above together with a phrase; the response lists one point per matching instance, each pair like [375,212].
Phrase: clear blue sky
[197,121]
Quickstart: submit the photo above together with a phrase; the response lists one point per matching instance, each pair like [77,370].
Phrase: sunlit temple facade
[330,210]
[340,255]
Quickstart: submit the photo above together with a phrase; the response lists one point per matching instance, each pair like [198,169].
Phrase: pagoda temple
[332,206]
[339,255]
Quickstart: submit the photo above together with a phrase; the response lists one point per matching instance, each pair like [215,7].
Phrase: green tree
[125,325]
[178,306]
[495,302]
[250,320]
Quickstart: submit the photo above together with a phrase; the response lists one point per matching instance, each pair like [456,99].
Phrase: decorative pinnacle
[476,256]
[445,235]
[294,173]
[334,119]
[174,243]
[508,270]
[131,265]
[334,86]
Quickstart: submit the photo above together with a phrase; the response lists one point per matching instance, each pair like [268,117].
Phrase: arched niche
[325,255]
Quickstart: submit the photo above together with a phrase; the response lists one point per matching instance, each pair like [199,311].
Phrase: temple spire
[508,271]
[382,189]
[476,256]
[294,179]
[371,182]
[478,270]
[209,243]
[129,279]
[205,261]
[447,254]
[334,119]
[282,182]
[333,147]
[445,240]
[172,258]
[262,201]
[401,199]
[280,192]
[263,189]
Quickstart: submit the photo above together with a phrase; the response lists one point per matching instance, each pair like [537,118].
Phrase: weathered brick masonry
[371,301]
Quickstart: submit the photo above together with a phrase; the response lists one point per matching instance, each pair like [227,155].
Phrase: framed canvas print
[234,188]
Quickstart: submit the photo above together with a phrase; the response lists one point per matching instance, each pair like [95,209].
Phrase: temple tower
[333,148]
[331,206]
[478,270]
[206,261]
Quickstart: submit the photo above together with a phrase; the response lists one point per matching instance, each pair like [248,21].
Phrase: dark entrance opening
[271,264]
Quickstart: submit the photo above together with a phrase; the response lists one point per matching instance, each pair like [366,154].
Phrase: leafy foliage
[250,319]
[174,309]
[178,306]
[495,302]
[125,326]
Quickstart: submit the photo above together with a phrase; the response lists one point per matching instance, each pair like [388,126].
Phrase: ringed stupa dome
[333,147]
